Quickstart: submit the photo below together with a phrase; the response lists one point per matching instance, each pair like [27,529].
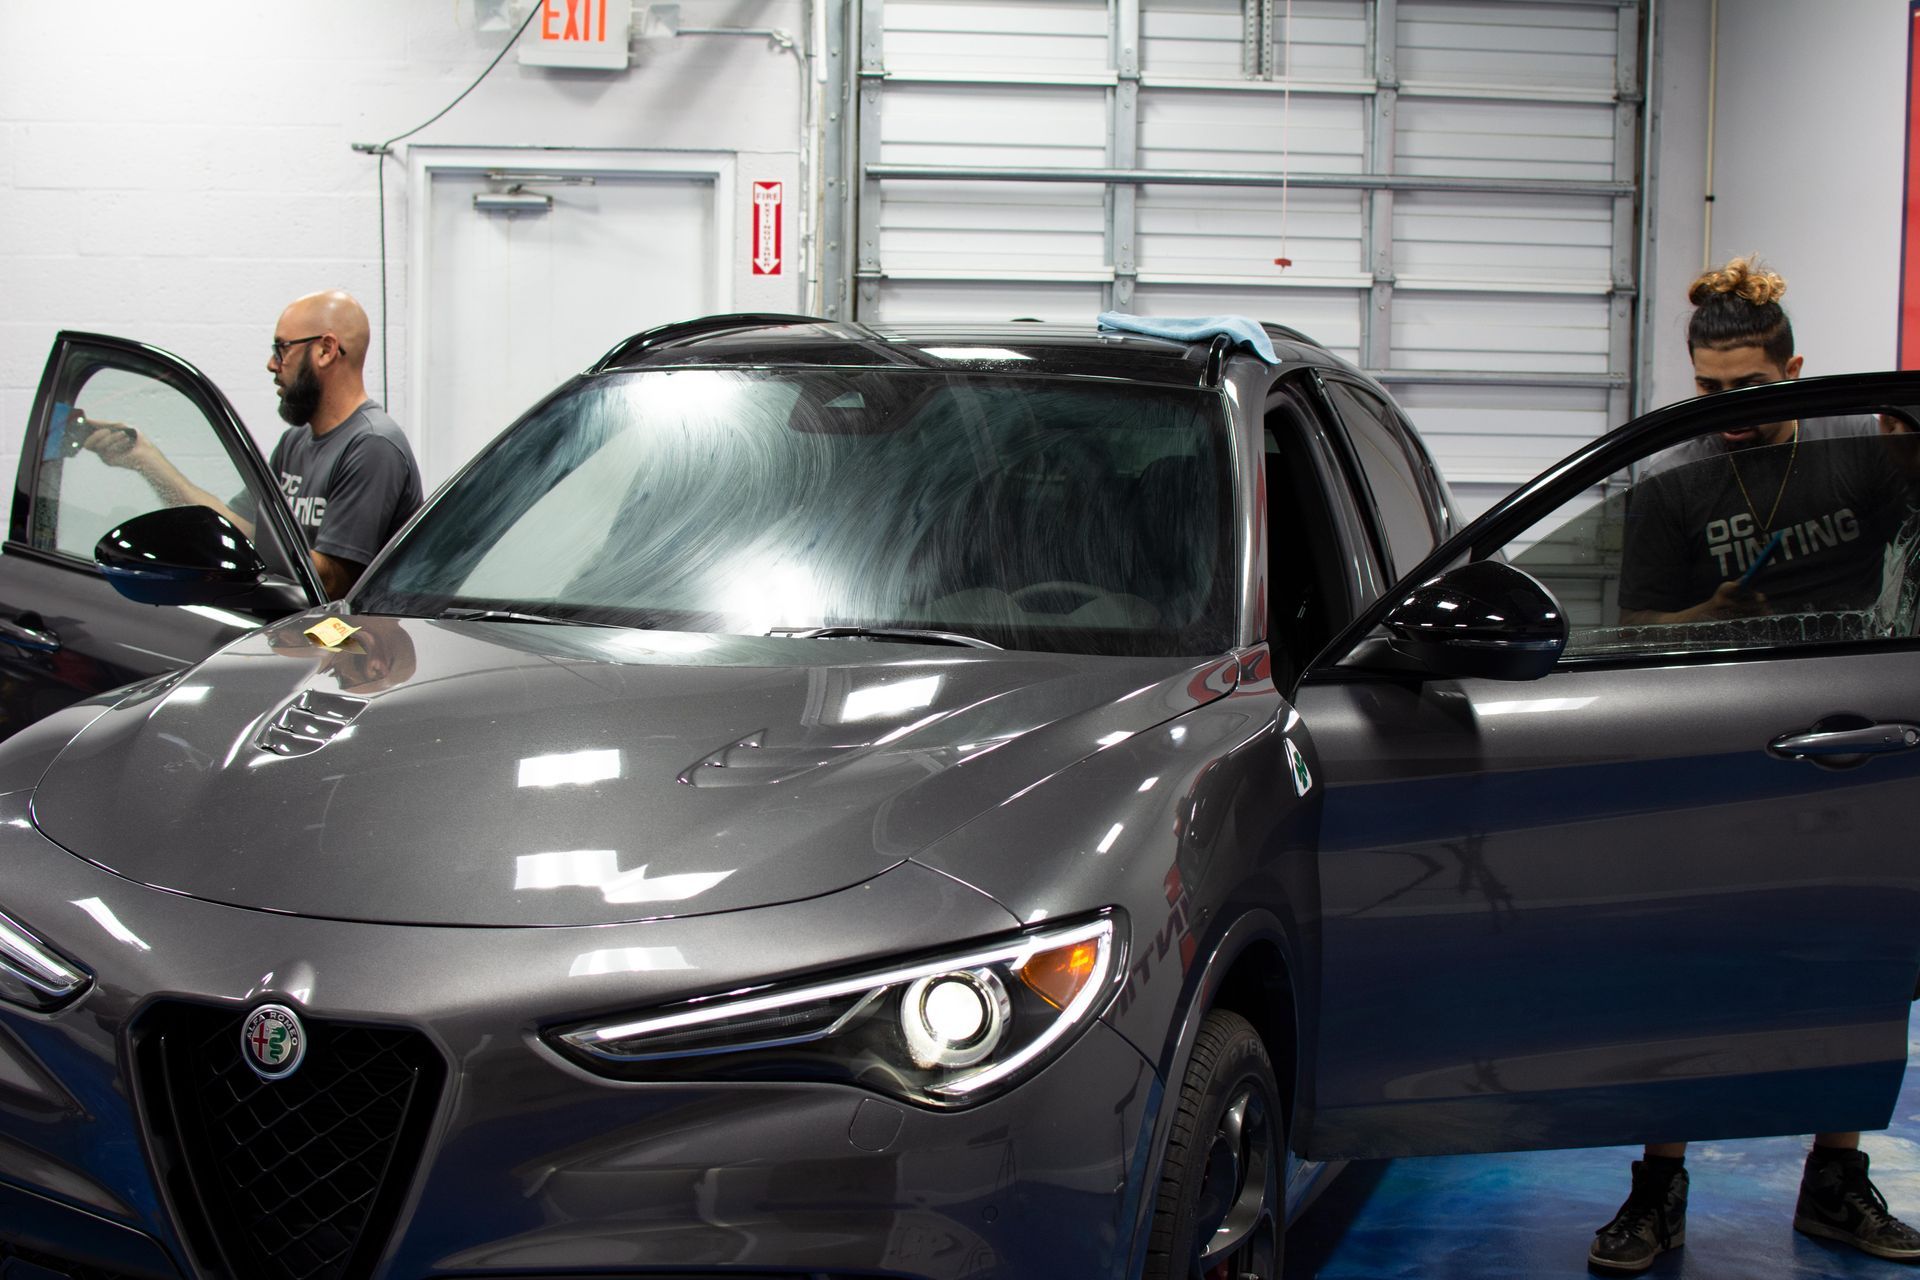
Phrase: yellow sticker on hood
[330,632]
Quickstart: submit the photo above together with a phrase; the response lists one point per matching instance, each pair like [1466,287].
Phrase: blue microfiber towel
[1244,332]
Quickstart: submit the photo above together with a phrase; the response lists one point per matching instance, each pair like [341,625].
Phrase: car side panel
[1595,909]
[103,639]
[1197,829]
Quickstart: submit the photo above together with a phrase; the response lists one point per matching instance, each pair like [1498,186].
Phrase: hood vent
[309,723]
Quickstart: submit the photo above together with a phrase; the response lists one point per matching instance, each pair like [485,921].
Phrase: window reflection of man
[1900,435]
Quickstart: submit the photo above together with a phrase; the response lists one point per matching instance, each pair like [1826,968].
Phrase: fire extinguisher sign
[766,228]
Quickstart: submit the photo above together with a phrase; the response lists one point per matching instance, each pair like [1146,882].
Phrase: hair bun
[1745,278]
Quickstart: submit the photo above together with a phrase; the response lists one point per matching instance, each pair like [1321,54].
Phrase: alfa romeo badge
[273,1041]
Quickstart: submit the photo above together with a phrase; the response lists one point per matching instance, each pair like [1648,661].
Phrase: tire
[1219,1213]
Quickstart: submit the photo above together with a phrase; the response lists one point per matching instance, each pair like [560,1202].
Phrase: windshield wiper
[464,614]
[912,635]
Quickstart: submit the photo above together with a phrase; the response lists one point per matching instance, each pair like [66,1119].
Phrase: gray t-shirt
[351,488]
[1708,511]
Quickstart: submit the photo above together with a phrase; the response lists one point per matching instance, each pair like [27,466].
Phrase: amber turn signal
[1058,975]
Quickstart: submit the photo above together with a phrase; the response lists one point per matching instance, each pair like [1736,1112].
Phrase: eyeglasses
[280,345]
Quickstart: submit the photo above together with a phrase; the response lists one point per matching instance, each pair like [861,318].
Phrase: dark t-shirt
[350,489]
[1707,511]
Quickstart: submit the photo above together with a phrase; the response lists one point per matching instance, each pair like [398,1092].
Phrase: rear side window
[1392,473]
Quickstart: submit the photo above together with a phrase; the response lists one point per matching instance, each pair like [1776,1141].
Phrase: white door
[516,303]
[1497,301]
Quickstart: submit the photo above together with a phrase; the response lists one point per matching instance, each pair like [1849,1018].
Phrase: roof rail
[693,328]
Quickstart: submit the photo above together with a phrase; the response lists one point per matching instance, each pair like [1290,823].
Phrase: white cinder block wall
[178,172]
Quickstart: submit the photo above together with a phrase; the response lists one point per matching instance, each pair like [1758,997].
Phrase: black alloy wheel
[1219,1215]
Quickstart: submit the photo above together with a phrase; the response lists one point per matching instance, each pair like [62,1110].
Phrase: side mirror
[180,555]
[1485,619]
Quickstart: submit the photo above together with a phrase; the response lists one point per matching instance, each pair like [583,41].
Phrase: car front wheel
[1219,1215]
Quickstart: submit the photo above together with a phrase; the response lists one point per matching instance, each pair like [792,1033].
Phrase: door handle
[21,636]
[1872,739]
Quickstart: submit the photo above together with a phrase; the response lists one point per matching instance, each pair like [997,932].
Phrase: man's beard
[1757,439]
[300,397]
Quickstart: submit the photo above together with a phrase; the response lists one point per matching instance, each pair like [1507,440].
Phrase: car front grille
[301,1176]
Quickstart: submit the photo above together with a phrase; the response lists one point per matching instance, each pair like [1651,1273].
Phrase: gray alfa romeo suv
[819,801]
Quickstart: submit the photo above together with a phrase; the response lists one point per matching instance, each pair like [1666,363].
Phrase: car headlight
[947,1031]
[33,975]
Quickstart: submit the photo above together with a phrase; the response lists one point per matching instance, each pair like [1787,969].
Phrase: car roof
[1076,349]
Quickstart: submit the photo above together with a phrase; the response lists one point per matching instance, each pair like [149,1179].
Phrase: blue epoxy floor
[1531,1216]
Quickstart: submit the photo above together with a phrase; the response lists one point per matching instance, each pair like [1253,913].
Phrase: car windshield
[1077,515]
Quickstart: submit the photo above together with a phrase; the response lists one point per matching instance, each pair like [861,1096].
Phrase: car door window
[78,496]
[1756,535]
[1392,473]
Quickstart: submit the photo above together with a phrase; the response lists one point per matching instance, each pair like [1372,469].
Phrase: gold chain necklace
[1767,526]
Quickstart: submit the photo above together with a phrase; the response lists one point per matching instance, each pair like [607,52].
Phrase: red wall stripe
[1909,339]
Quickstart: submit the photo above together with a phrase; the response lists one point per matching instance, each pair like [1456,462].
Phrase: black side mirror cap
[179,555]
[1486,619]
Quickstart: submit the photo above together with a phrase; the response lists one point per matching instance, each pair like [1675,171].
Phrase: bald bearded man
[345,466]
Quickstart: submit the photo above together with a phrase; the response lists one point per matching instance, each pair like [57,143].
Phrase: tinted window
[1307,565]
[1033,513]
[1391,474]
[1782,534]
[78,496]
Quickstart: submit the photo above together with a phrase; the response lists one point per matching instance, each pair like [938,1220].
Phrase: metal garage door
[1460,210]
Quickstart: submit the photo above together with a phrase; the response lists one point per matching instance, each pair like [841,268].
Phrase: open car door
[1668,889]
[65,633]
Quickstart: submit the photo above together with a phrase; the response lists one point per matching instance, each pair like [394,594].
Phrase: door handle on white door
[1871,739]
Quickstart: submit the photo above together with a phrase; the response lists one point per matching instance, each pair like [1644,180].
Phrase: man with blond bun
[1763,482]
[345,467]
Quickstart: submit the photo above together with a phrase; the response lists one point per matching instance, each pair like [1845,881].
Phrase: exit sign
[578,33]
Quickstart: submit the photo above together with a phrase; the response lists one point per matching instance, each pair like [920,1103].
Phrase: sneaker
[1839,1202]
[1653,1220]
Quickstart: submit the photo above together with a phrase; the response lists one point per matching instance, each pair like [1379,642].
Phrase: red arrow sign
[766,228]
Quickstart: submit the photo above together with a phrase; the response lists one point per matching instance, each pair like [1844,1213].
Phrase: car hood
[488,773]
